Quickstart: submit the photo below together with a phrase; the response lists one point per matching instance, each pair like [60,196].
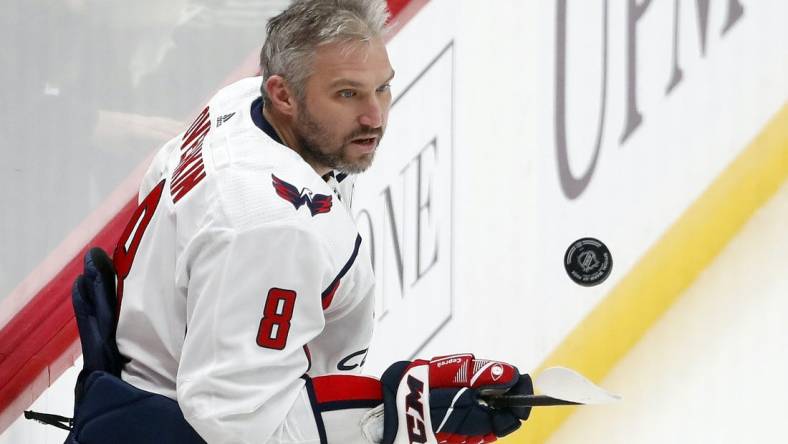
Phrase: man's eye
[347,93]
[384,88]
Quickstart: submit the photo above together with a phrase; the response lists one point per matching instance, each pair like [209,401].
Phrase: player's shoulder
[229,110]
[238,90]
[258,182]
[250,179]
[285,192]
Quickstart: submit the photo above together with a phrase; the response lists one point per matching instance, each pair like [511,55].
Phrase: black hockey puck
[588,261]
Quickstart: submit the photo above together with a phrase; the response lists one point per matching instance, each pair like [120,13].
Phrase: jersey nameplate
[190,170]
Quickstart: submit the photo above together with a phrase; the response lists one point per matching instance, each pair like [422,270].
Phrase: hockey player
[242,280]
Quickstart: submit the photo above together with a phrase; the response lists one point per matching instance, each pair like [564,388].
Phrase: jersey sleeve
[253,303]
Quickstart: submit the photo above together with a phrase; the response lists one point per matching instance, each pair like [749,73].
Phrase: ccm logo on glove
[417,432]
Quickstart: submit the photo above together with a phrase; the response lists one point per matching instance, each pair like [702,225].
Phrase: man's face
[346,103]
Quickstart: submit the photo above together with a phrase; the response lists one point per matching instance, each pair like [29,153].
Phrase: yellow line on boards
[615,325]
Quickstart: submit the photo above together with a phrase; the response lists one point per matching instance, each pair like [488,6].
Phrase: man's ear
[279,95]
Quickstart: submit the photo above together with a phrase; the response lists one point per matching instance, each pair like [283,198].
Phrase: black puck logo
[588,261]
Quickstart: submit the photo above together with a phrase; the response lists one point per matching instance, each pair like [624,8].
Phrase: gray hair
[294,35]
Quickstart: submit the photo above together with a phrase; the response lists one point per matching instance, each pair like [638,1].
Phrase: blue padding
[114,411]
[108,409]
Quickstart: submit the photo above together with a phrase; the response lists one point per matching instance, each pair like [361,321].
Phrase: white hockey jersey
[242,279]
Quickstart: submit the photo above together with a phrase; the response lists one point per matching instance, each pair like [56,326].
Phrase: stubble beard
[312,137]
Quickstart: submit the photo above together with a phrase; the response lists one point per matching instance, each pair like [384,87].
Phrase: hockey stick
[503,401]
[560,386]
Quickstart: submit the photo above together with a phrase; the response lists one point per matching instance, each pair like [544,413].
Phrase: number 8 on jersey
[275,325]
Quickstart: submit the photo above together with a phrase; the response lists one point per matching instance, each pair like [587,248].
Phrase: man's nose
[372,114]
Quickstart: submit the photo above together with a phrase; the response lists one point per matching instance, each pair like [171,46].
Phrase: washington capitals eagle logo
[317,203]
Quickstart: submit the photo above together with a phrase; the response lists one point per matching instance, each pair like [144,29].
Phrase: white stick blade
[569,385]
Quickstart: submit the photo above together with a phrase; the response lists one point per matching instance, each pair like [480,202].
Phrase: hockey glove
[439,401]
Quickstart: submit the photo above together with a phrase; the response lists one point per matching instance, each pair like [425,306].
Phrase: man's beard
[312,137]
